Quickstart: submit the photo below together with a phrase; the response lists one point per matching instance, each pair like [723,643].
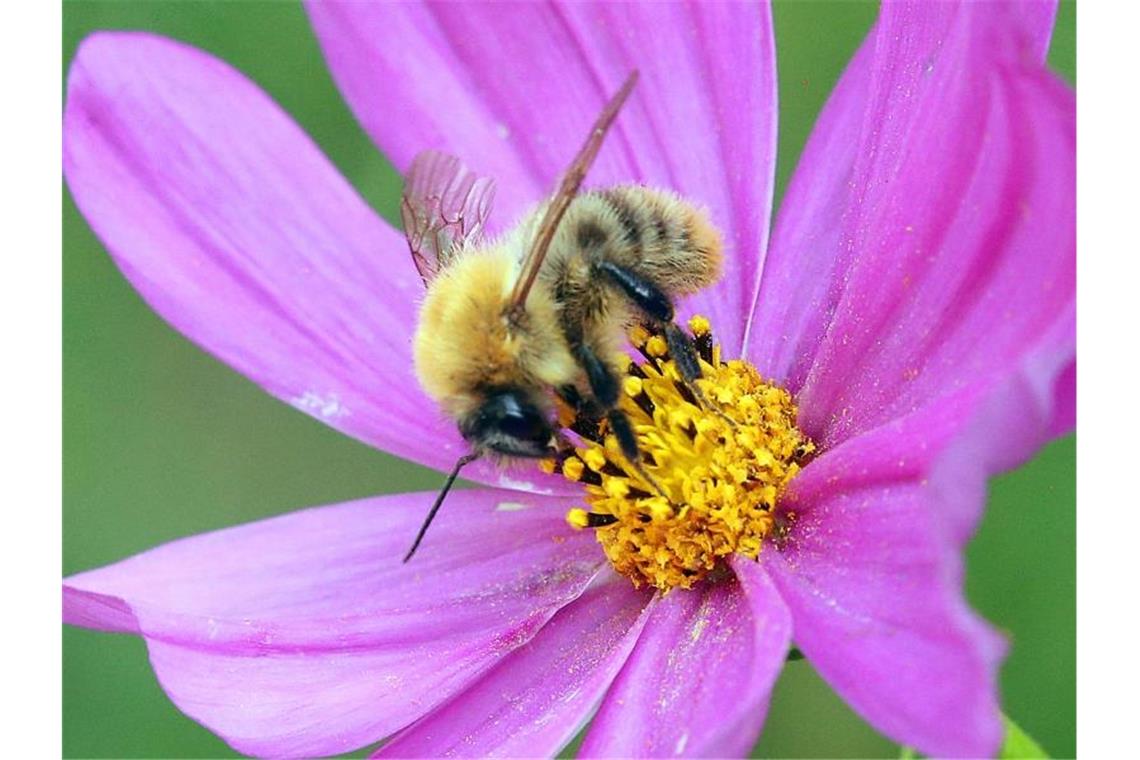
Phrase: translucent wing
[444,205]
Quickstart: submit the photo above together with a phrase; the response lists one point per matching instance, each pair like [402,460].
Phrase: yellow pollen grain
[594,458]
[573,468]
[717,473]
[638,334]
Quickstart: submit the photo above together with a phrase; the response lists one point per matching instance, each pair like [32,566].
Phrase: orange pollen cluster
[713,463]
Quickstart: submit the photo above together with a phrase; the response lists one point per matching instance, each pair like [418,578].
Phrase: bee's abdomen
[650,232]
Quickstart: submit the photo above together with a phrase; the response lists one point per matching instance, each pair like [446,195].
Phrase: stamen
[580,518]
[709,476]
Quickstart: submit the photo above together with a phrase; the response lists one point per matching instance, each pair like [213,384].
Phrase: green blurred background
[162,441]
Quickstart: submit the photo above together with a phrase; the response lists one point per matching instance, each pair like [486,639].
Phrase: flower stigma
[713,464]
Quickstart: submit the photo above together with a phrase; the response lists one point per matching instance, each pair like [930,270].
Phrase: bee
[542,311]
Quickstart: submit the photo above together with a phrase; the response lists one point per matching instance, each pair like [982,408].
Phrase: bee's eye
[509,414]
[523,423]
[507,422]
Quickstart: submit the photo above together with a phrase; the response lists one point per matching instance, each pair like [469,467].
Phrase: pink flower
[917,297]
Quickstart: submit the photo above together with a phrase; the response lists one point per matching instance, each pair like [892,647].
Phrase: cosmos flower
[916,299]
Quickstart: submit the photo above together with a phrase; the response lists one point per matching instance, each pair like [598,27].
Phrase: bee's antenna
[463,461]
[568,188]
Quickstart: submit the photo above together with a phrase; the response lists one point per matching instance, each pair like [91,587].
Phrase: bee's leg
[639,289]
[605,387]
[656,305]
[683,353]
[645,294]
[652,300]
[587,415]
[570,394]
[623,431]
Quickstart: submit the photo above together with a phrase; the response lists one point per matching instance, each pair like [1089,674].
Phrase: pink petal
[698,682]
[306,635]
[534,701]
[793,305]
[873,575]
[998,426]
[514,92]
[232,225]
[957,245]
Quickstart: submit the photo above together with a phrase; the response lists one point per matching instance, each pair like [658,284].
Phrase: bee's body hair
[614,242]
[621,255]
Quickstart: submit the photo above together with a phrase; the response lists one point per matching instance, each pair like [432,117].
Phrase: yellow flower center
[713,464]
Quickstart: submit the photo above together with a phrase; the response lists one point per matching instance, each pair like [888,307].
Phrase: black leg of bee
[604,386]
[623,431]
[587,414]
[688,363]
[657,306]
[641,290]
[627,440]
[683,353]
[584,406]
[570,394]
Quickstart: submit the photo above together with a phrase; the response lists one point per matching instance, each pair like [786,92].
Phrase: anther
[580,518]
[725,475]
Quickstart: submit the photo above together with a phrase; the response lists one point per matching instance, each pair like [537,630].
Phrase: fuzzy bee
[508,324]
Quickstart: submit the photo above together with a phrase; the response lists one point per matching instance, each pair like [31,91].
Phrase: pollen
[713,462]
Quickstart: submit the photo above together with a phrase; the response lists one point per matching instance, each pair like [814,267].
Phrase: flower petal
[514,94]
[534,701]
[957,249]
[236,229]
[306,635]
[793,303]
[873,575]
[699,679]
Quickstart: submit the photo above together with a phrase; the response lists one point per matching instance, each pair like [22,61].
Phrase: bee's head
[510,423]
[490,376]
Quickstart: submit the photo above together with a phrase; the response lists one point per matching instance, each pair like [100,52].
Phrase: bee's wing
[444,205]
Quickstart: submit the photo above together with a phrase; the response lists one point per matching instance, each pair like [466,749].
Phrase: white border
[1108,384]
[30,59]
